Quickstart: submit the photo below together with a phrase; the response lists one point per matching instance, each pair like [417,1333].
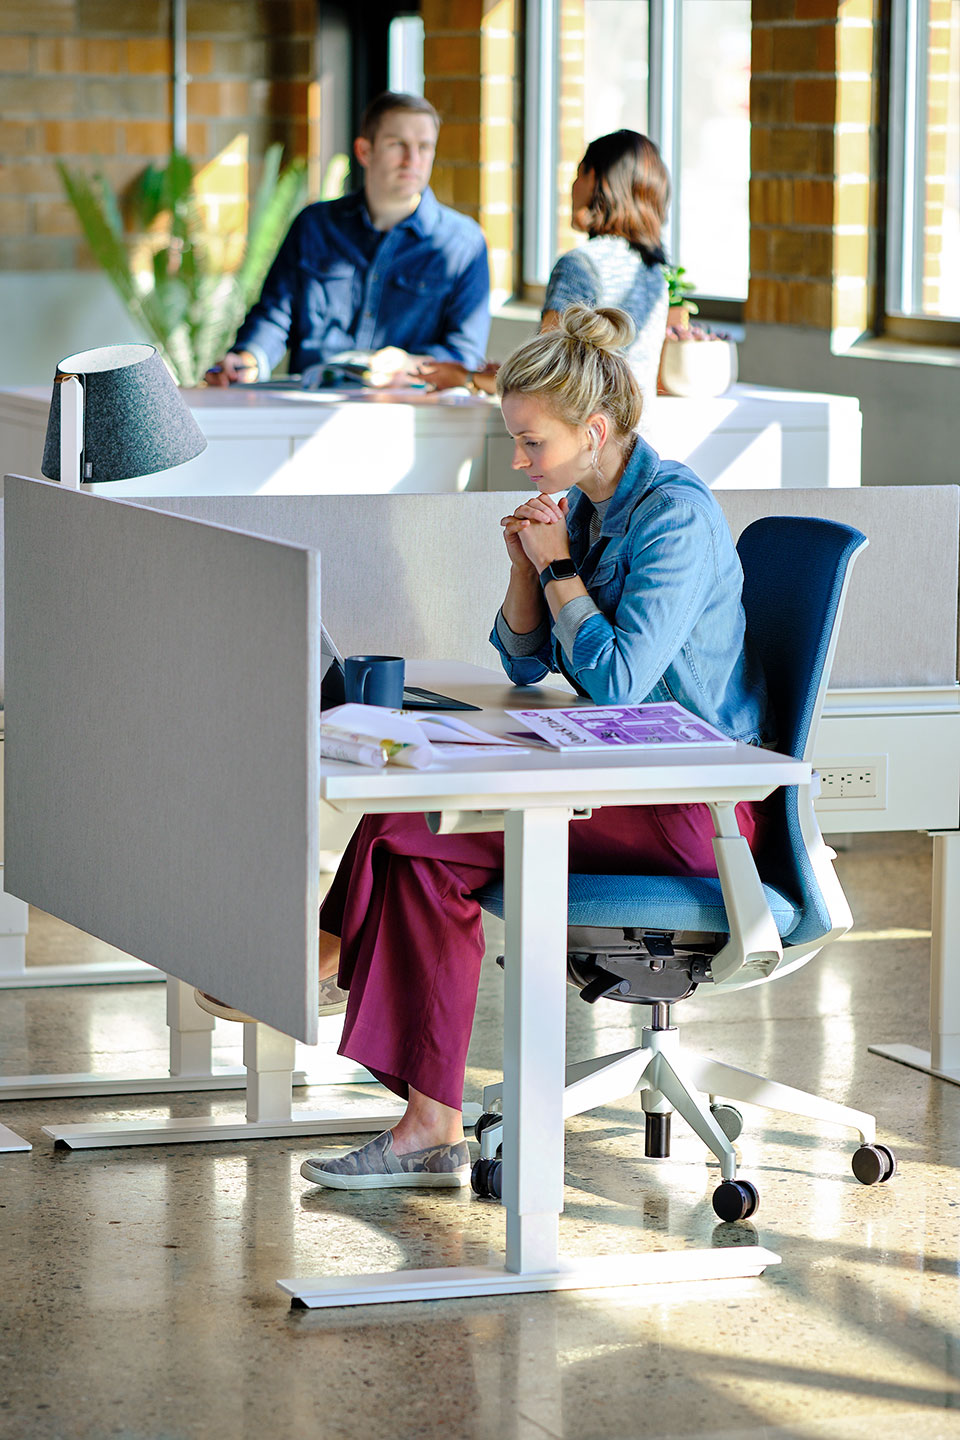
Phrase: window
[405,55]
[679,70]
[923,220]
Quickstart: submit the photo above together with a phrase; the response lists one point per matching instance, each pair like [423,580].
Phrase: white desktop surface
[534,794]
[545,777]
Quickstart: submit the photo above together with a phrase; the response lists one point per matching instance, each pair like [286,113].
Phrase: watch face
[558,570]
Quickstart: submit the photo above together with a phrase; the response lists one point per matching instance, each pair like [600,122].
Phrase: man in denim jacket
[387,271]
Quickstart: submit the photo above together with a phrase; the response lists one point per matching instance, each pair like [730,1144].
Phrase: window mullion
[907,155]
[920,28]
[664,101]
[540,139]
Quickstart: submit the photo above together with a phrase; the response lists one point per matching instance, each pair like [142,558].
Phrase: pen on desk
[218,369]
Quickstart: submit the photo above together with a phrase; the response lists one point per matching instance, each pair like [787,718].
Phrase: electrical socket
[855,783]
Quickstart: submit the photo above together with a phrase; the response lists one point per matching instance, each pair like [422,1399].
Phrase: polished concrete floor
[138,1295]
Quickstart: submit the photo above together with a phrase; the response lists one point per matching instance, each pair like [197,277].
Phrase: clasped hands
[536,533]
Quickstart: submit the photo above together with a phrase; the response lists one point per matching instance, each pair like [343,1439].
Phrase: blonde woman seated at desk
[630,586]
[620,200]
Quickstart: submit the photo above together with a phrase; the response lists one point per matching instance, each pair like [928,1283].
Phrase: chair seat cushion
[653,902]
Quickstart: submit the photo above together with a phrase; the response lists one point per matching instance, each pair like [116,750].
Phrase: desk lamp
[115,414]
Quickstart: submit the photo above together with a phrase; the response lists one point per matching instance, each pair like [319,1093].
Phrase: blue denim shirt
[666,620]
[338,284]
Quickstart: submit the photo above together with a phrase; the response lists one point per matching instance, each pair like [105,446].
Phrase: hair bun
[600,329]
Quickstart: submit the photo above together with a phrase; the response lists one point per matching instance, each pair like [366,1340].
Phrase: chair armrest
[754,949]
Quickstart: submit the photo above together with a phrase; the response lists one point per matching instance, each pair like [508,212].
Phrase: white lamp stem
[71,431]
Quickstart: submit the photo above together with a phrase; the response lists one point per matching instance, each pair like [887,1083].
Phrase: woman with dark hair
[619,199]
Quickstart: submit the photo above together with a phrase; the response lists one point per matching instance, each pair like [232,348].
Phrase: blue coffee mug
[374,680]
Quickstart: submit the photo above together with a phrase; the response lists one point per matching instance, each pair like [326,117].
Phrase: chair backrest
[795,575]
[796,570]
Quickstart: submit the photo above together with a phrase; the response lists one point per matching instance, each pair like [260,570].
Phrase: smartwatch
[558,570]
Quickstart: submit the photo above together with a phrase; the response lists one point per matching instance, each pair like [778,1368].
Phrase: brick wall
[813,125]
[88,81]
[472,56]
[571,137]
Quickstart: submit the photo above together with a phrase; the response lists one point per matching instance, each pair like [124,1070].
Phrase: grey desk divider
[162,736]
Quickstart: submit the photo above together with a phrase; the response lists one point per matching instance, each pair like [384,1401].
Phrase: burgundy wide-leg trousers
[411,933]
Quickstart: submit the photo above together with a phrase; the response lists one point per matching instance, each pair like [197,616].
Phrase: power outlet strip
[856,783]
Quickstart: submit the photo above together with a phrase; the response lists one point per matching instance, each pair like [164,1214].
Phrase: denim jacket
[338,284]
[666,622]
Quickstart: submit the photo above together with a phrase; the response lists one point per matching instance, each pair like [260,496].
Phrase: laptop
[332,683]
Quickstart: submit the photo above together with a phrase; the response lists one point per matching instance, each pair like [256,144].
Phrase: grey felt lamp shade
[136,422]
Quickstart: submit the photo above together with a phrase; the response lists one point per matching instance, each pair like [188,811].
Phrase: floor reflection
[139,1295]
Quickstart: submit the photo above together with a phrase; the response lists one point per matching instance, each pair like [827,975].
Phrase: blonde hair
[579,368]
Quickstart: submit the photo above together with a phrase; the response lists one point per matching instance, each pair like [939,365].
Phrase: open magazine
[373,735]
[606,727]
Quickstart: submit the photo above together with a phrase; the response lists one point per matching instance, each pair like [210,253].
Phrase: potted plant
[694,361]
[187,288]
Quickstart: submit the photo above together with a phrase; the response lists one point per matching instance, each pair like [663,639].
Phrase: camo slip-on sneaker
[375,1166]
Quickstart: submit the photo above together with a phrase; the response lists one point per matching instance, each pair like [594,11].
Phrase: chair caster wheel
[729,1119]
[484,1121]
[874,1164]
[736,1200]
[486,1179]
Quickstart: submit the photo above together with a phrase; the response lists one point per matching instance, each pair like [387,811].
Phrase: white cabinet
[751,438]
[293,443]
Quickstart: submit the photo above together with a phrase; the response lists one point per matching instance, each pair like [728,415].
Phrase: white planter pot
[698,367]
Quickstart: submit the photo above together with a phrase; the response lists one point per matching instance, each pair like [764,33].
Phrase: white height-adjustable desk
[532,797]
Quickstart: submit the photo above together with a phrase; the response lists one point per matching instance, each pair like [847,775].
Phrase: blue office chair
[653,940]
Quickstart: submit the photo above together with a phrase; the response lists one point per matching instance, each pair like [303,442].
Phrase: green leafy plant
[678,288]
[169,270]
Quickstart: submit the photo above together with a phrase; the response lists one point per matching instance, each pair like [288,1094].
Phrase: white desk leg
[945,955]
[13,934]
[535,900]
[942,1060]
[191,1031]
[534,1038]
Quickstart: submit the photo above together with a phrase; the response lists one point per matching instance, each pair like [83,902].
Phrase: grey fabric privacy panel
[162,761]
[423,575]
[900,620]
[415,575]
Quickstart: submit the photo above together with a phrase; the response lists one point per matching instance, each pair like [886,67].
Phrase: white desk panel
[289,442]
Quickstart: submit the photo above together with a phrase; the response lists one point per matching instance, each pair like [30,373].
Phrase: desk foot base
[353,1115]
[104,972]
[457,1282]
[62,1087]
[10,1141]
[916,1059]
